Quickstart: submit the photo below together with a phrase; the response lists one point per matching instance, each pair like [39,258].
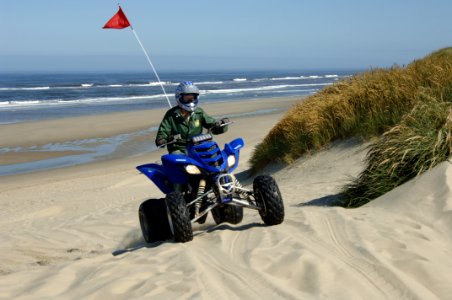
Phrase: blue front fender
[234,147]
[174,164]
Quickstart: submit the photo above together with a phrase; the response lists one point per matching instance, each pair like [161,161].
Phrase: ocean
[30,97]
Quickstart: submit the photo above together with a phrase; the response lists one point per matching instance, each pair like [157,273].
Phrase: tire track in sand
[382,279]
[228,267]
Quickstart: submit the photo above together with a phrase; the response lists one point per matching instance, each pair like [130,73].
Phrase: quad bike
[202,182]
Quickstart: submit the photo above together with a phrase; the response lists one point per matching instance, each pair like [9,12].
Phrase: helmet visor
[188,98]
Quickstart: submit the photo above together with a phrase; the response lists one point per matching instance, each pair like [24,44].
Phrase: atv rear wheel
[228,213]
[268,198]
[179,217]
[154,220]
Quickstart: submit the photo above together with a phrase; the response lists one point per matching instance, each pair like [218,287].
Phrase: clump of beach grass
[365,106]
[421,141]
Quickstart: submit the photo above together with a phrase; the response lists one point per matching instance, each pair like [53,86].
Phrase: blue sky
[60,35]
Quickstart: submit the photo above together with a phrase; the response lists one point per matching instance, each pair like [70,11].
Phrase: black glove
[173,138]
[222,121]
[160,142]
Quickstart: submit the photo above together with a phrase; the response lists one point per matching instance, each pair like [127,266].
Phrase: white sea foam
[115,85]
[109,99]
[25,88]
[24,103]
[264,88]
[298,90]
[300,77]
[239,79]
[289,78]
[43,103]
[86,84]
[152,83]
[209,82]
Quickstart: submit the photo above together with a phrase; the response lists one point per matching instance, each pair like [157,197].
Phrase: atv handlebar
[178,138]
[219,125]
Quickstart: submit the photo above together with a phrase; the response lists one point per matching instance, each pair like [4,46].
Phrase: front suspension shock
[201,189]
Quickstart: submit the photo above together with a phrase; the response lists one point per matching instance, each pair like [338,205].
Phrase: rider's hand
[222,121]
[160,142]
[175,137]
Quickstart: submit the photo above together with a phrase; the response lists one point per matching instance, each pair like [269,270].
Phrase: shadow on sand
[136,246]
[142,244]
[330,200]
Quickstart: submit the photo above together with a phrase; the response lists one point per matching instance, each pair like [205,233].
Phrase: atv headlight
[192,169]
[231,160]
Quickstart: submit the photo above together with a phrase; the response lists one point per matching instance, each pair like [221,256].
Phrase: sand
[73,233]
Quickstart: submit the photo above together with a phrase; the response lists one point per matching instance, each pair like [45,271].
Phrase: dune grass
[407,107]
[421,141]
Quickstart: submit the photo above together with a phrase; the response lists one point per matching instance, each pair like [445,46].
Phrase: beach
[108,136]
[74,233]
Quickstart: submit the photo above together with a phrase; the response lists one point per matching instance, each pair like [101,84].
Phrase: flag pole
[120,21]
[152,66]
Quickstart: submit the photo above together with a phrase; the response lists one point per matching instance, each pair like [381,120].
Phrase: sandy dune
[74,234]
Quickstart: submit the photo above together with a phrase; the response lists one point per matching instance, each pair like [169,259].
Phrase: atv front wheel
[268,198]
[179,217]
[228,213]
[154,221]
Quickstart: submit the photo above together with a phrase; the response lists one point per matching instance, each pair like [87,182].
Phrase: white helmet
[187,87]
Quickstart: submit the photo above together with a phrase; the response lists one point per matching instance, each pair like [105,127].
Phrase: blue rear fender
[156,173]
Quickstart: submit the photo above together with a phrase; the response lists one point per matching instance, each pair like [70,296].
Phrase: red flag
[118,21]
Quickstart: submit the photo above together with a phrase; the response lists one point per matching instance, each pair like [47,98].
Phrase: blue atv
[202,182]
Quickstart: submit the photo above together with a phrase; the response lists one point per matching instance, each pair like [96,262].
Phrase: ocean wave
[34,103]
[209,82]
[297,90]
[161,96]
[36,88]
[264,88]
[300,77]
[156,83]
[90,85]
[109,99]
[21,103]
[86,86]
[288,78]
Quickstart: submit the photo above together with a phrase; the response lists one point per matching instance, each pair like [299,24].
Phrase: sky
[67,36]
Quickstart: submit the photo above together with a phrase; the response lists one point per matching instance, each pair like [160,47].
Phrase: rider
[186,119]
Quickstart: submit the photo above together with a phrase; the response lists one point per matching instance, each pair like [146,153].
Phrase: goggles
[188,98]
